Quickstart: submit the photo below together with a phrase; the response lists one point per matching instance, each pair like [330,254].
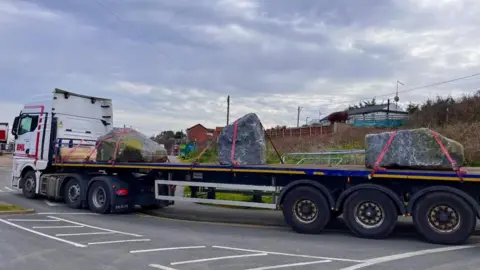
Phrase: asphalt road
[56,237]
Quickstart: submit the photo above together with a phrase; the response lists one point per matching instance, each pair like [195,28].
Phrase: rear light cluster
[121,192]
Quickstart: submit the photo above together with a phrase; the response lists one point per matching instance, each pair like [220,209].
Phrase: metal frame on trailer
[471,174]
[273,189]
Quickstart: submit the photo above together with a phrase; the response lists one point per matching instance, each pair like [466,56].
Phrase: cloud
[172,64]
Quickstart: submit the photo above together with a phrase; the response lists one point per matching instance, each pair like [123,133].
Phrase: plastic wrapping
[129,145]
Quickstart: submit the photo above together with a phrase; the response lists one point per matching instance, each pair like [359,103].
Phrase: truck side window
[28,124]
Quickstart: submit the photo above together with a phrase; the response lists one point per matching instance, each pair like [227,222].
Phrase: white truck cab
[47,122]
[65,127]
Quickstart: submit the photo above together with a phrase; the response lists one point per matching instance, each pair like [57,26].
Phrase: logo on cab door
[20,147]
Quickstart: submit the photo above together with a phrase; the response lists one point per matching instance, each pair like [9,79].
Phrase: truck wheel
[72,194]
[99,198]
[306,210]
[29,185]
[370,214]
[444,218]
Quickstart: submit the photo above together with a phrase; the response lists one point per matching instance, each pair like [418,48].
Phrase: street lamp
[306,120]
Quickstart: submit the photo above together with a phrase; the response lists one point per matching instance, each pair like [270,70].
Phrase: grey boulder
[412,149]
[250,144]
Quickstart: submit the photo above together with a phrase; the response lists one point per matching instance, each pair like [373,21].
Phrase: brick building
[199,133]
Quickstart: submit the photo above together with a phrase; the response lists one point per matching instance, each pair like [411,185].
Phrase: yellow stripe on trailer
[432,178]
[180,168]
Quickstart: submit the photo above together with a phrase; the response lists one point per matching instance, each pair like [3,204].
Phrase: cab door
[26,140]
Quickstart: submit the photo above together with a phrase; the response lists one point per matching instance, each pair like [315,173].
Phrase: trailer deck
[472,173]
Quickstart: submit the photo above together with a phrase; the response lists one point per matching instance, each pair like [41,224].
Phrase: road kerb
[17,212]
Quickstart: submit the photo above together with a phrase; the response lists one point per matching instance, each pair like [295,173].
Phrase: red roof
[196,126]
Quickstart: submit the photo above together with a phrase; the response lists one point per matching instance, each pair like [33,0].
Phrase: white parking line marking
[67,213]
[32,220]
[164,249]
[52,203]
[42,234]
[9,189]
[90,233]
[161,267]
[93,227]
[291,255]
[57,227]
[220,258]
[289,265]
[119,241]
[404,256]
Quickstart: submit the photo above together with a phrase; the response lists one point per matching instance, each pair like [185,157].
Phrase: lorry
[444,205]
[3,137]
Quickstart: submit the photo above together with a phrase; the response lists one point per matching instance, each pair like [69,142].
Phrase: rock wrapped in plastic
[250,144]
[133,146]
[412,149]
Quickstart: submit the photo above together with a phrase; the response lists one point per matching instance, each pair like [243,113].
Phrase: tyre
[99,198]
[306,210]
[29,185]
[72,194]
[444,218]
[370,214]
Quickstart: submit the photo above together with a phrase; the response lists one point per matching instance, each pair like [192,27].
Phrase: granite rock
[133,146]
[250,144]
[412,149]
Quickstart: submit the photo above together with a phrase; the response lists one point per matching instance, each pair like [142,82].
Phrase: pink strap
[455,166]
[376,166]
[232,156]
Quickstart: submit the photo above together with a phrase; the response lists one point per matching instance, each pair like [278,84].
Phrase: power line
[412,89]
[440,83]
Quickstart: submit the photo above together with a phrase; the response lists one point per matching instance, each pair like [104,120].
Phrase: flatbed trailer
[443,205]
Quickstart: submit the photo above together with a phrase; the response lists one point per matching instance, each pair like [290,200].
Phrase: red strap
[117,144]
[99,143]
[455,166]
[376,165]
[235,131]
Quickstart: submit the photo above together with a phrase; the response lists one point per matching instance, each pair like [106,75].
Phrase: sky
[170,64]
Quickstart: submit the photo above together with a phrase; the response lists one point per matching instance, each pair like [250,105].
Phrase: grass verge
[10,207]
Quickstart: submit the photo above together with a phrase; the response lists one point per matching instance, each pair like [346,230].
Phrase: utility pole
[228,109]
[388,109]
[298,116]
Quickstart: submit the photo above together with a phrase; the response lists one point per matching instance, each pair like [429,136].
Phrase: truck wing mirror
[15,126]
